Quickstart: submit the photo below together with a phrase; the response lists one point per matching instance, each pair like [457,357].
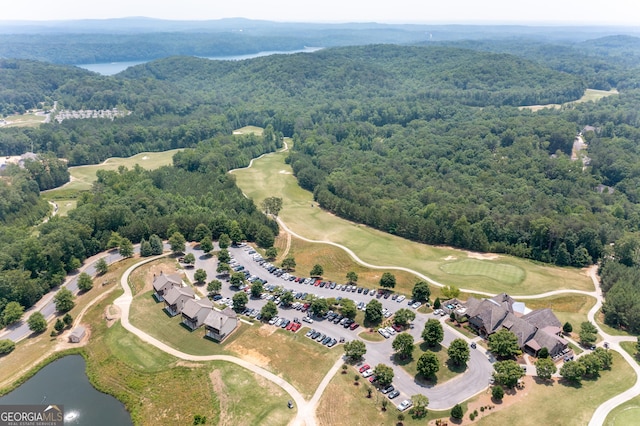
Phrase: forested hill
[372,72]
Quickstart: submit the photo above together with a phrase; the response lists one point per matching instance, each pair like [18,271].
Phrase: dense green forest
[426,142]
[134,203]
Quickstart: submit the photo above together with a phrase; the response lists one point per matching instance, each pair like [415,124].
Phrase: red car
[354,326]
[289,326]
[372,379]
[317,283]
[364,368]
[296,326]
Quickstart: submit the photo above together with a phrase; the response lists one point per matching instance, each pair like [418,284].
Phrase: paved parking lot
[442,396]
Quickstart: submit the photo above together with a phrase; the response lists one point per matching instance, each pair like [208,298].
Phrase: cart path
[305,415]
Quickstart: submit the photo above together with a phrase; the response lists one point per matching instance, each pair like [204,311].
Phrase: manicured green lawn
[447,370]
[572,308]
[248,399]
[270,176]
[631,348]
[501,272]
[84,176]
[625,414]
[149,316]
[249,130]
[560,404]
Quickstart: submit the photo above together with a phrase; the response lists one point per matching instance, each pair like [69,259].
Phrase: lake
[64,382]
[115,67]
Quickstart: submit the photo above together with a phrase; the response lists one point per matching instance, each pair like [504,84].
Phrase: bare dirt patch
[111,314]
[250,355]
[482,256]
[142,278]
[284,172]
[220,390]
[450,258]
[62,341]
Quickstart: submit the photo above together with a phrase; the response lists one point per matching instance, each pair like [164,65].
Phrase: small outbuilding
[77,334]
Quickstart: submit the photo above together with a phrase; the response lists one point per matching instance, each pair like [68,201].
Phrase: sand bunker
[482,256]
[450,258]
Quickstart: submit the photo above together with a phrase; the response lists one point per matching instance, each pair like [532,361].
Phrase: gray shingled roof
[174,294]
[161,280]
[193,308]
[542,318]
[217,319]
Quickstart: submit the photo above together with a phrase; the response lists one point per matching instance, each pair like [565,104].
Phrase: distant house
[195,312]
[176,298]
[534,329]
[163,283]
[77,334]
[218,324]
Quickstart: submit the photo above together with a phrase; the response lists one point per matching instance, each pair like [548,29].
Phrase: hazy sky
[445,11]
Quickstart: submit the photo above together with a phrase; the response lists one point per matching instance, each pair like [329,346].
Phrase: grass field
[24,120]
[447,370]
[570,308]
[270,176]
[82,177]
[559,404]
[249,130]
[343,403]
[494,270]
[589,95]
[625,414]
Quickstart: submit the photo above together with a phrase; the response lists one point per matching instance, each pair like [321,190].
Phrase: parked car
[354,326]
[387,389]
[416,305]
[393,394]
[364,368]
[310,332]
[405,404]
[400,299]
[332,343]
[473,345]
[307,319]
[367,373]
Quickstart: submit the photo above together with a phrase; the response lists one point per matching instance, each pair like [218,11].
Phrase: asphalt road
[46,306]
[443,396]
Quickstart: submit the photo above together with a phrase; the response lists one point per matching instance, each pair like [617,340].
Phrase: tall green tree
[317,270]
[572,371]
[36,322]
[458,352]
[145,248]
[214,286]
[289,263]
[6,346]
[403,345]
[239,300]
[404,316]
[200,275]
[428,364]
[206,245]
[224,241]
[384,375]
[507,373]
[373,312]
[235,232]
[85,282]
[504,344]
[421,291]
[157,246]
[388,280]
[101,266]
[200,232]
[269,310]
[588,333]
[545,368]
[177,243]
[12,313]
[355,349]
[433,332]
[126,248]
[352,277]
[64,300]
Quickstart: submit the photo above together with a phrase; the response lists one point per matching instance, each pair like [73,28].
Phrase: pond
[64,382]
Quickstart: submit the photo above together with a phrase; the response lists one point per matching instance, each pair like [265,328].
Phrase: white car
[400,299]
[416,305]
[384,333]
[307,319]
[388,314]
[404,405]
[367,373]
